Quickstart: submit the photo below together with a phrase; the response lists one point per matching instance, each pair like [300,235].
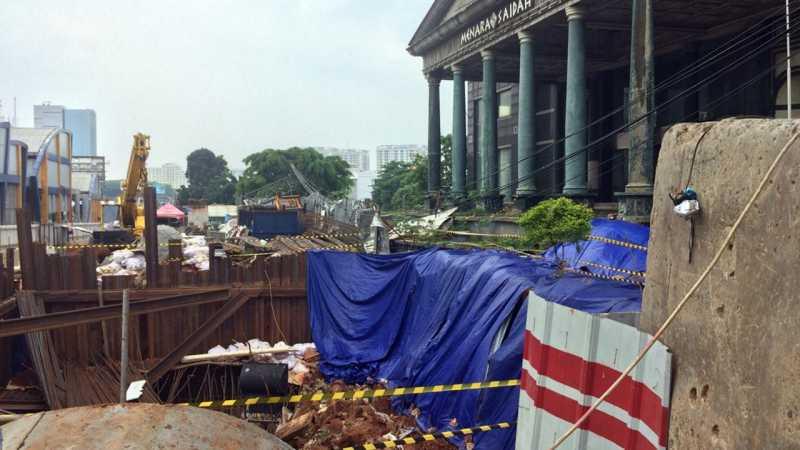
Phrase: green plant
[556,221]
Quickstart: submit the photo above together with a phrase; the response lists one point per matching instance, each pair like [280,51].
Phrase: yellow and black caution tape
[168,244]
[612,268]
[432,436]
[619,243]
[353,395]
[115,246]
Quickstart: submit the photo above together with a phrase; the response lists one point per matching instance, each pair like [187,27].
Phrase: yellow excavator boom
[132,214]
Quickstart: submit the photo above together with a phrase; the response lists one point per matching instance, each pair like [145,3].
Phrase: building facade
[39,174]
[403,153]
[83,125]
[88,176]
[48,116]
[570,97]
[169,173]
[357,159]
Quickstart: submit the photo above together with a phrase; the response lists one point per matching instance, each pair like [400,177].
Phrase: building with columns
[571,97]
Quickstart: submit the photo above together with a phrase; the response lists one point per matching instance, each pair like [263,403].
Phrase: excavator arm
[134,183]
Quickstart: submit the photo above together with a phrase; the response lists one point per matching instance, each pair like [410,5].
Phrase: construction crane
[128,211]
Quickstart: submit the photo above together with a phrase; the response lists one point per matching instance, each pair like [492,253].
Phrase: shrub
[556,221]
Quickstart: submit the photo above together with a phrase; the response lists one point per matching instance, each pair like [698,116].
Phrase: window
[504,104]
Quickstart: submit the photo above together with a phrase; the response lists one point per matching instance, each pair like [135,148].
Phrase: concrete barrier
[736,365]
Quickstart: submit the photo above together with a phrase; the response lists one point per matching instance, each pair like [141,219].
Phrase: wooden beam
[25,244]
[150,236]
[53,321]
[89,296]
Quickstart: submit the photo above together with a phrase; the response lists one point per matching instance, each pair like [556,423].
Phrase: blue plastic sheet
[617,248]
[441,317]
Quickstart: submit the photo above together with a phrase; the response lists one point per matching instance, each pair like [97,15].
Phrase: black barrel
[264,379]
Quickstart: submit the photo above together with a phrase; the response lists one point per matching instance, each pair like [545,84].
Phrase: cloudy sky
[235,76]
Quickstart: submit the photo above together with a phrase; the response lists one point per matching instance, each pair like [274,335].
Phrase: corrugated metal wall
[570,359]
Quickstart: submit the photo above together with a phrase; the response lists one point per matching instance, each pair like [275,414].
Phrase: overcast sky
[235,76]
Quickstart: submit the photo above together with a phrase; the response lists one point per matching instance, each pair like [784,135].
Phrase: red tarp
[168,211]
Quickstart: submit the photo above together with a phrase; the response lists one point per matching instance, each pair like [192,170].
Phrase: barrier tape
[605,277]
[168,244]
[432,436]
[353,395]
[615,269]
[469,233]
[242,255]
[620,243]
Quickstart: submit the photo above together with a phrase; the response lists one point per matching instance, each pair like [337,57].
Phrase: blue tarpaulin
[440,317]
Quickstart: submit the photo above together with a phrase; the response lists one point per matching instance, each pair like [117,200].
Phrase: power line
[734,42]
[693,88]
[713,104]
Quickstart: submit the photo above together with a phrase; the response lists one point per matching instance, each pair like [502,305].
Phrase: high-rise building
[83,125]
[170,173]
[404,153]
[356,159]
[48,116]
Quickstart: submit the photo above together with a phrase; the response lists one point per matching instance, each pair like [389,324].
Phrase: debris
[294,426]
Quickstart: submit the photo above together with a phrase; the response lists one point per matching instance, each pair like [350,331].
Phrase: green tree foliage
[270,170]
[209,178]
[556,221]
[402,185]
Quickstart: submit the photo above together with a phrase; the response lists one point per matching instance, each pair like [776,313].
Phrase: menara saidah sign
[497,17]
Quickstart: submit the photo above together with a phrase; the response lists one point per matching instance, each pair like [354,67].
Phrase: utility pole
[788,64]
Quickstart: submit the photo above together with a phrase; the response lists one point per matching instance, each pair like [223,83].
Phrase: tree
[556,221]
[209,178]
[401,185]
[270,170]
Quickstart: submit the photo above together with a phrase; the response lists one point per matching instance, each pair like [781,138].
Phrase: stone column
[637,200]
[459,142]
[489,175]
[526,127]
[575,121]
[434,143]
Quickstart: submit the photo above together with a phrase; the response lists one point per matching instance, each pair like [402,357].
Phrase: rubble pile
[132,261]
[343,423]
[195,252]
[122,262]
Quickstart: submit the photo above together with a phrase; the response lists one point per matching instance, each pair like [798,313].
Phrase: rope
[686,297]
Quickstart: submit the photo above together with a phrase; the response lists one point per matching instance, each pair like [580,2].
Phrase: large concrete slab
[736,348]
[136,426]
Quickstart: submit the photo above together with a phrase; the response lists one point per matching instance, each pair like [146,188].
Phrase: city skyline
[145,68]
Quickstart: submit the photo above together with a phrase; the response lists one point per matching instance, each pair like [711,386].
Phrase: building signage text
[497,18]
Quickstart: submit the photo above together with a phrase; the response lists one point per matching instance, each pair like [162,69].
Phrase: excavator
[126,209]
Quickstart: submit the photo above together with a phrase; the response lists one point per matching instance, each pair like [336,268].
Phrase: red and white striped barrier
[570,359]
